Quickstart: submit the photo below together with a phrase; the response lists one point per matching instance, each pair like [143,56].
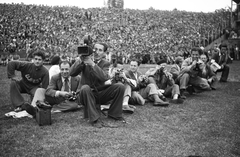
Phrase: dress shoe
[98,124]
[29,109]
[190,90]
[177,101]
[127,109]
[164,104]
[163,98]
[222,80]
[132,106]
[183,96]
[117,119]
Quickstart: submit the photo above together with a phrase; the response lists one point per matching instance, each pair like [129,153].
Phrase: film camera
[73,96]
[85,50]
[117,77]
[197,67]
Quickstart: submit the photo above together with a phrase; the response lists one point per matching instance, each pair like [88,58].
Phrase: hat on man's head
[55,60]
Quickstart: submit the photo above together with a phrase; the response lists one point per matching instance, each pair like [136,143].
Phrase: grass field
[207,125]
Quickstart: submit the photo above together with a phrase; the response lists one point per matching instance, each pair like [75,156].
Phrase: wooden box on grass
[43,116]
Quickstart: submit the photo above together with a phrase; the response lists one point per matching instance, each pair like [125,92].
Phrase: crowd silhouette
[59,29]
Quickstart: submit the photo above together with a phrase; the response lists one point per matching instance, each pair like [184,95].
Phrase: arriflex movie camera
[86,49]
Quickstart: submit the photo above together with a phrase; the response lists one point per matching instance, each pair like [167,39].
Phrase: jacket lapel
[132,75]
[59,82]
[73,84]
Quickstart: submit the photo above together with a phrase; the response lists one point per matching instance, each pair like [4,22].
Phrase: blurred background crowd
[146,34]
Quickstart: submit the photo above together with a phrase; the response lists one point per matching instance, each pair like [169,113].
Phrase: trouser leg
[172,90]
[184,80]
[39,95]
[15,93]
[88,100]
[225,73]
[114,93]
[199,83]
[136,98]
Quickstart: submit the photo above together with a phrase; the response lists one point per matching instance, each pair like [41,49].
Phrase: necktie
[66,85]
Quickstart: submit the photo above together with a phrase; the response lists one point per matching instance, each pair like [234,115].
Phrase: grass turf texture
[207,124]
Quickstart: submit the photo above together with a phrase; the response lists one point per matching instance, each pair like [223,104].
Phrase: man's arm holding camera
[76,68]
[128,80]
[187,66]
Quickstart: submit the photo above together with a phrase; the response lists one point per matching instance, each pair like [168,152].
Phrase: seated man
[164,81]
[144,89]
[94,92]
[117,75]
[189,74]
[207,72]
[221,58]
[176,67]
[62,92]
[34,75]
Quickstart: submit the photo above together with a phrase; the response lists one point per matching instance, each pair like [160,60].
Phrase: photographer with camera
[164,81]
[207,72]
[221,58]
[144,89]
[117,74]
[94,70]
[189,78]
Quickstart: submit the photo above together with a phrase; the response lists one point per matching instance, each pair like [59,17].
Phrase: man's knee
[13,83]
[119,86]
[185,76]
[151,85]
[85,88]
[40,91]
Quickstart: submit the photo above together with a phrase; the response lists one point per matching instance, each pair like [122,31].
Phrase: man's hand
[65,94]
[194,63]
[88,61]
[122,74]
[15,78]
[108,82]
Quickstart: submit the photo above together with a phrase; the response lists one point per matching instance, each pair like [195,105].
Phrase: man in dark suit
[94,91]
[221,58]
[59,90]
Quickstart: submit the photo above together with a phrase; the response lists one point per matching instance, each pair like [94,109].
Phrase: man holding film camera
[189,77]
[96,89]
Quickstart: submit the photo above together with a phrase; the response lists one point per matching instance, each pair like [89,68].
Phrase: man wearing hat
[94,70]
[221,58]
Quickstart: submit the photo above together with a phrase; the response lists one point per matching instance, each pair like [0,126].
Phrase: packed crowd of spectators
[127,32]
